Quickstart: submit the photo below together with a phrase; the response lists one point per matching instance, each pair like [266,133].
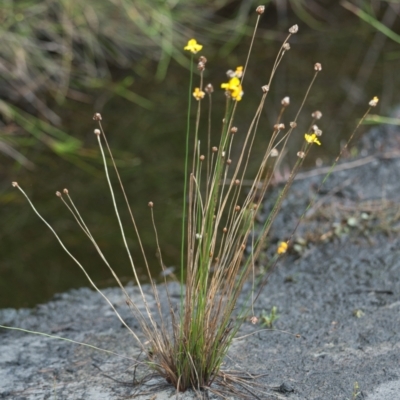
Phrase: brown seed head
[202,157]
[202,59]
[229,161]
[14,184]
[97,117]
[237,208]
[65,191]
[254,320]
[260,10]
[317,114]
[225,230]
[286,46]
[97,132]
[230,73]
[285,101]
[150,204]
[274,153]
[214,149]
[374,102]
[201,66]
[265,88]
[293,124]
[209,88]
[317,67]
[294,29]
[300,154]
[234,129]
[58,194]
[237,182]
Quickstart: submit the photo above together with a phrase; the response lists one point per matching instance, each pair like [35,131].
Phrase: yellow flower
[198,94]
[239,72]
[282,248]
[312,138]
[234,87]
[193,46]
[237,93]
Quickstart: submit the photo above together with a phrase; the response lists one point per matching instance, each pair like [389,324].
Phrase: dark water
[357,64]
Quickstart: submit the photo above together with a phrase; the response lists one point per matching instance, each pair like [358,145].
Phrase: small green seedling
[356,391]
[268,319]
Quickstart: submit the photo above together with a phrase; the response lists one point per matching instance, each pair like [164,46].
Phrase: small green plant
[268,320]
[356,391]
[220,247]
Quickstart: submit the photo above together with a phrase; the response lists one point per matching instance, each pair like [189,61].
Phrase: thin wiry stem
[78,263]
[122,228]
[66,340]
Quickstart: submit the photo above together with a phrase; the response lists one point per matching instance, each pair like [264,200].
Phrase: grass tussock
[186,343]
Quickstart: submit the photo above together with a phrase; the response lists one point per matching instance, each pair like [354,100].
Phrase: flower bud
[260,10]
[317,67]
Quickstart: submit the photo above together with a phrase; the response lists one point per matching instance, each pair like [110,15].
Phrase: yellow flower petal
[312,138]
[282,248]
[239,72]
[234,87]
[193,46]
[198,94]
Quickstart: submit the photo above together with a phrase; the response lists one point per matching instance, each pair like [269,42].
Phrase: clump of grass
[187,345]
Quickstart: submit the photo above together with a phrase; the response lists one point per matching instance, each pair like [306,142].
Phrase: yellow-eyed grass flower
[312,138]
[282,248]
[234,88]
[198,94]
[193,46]
[239,72]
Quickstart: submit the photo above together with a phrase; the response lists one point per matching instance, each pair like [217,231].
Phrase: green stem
[186,179]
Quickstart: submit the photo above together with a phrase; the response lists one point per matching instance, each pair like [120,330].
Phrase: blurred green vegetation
[55,50]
